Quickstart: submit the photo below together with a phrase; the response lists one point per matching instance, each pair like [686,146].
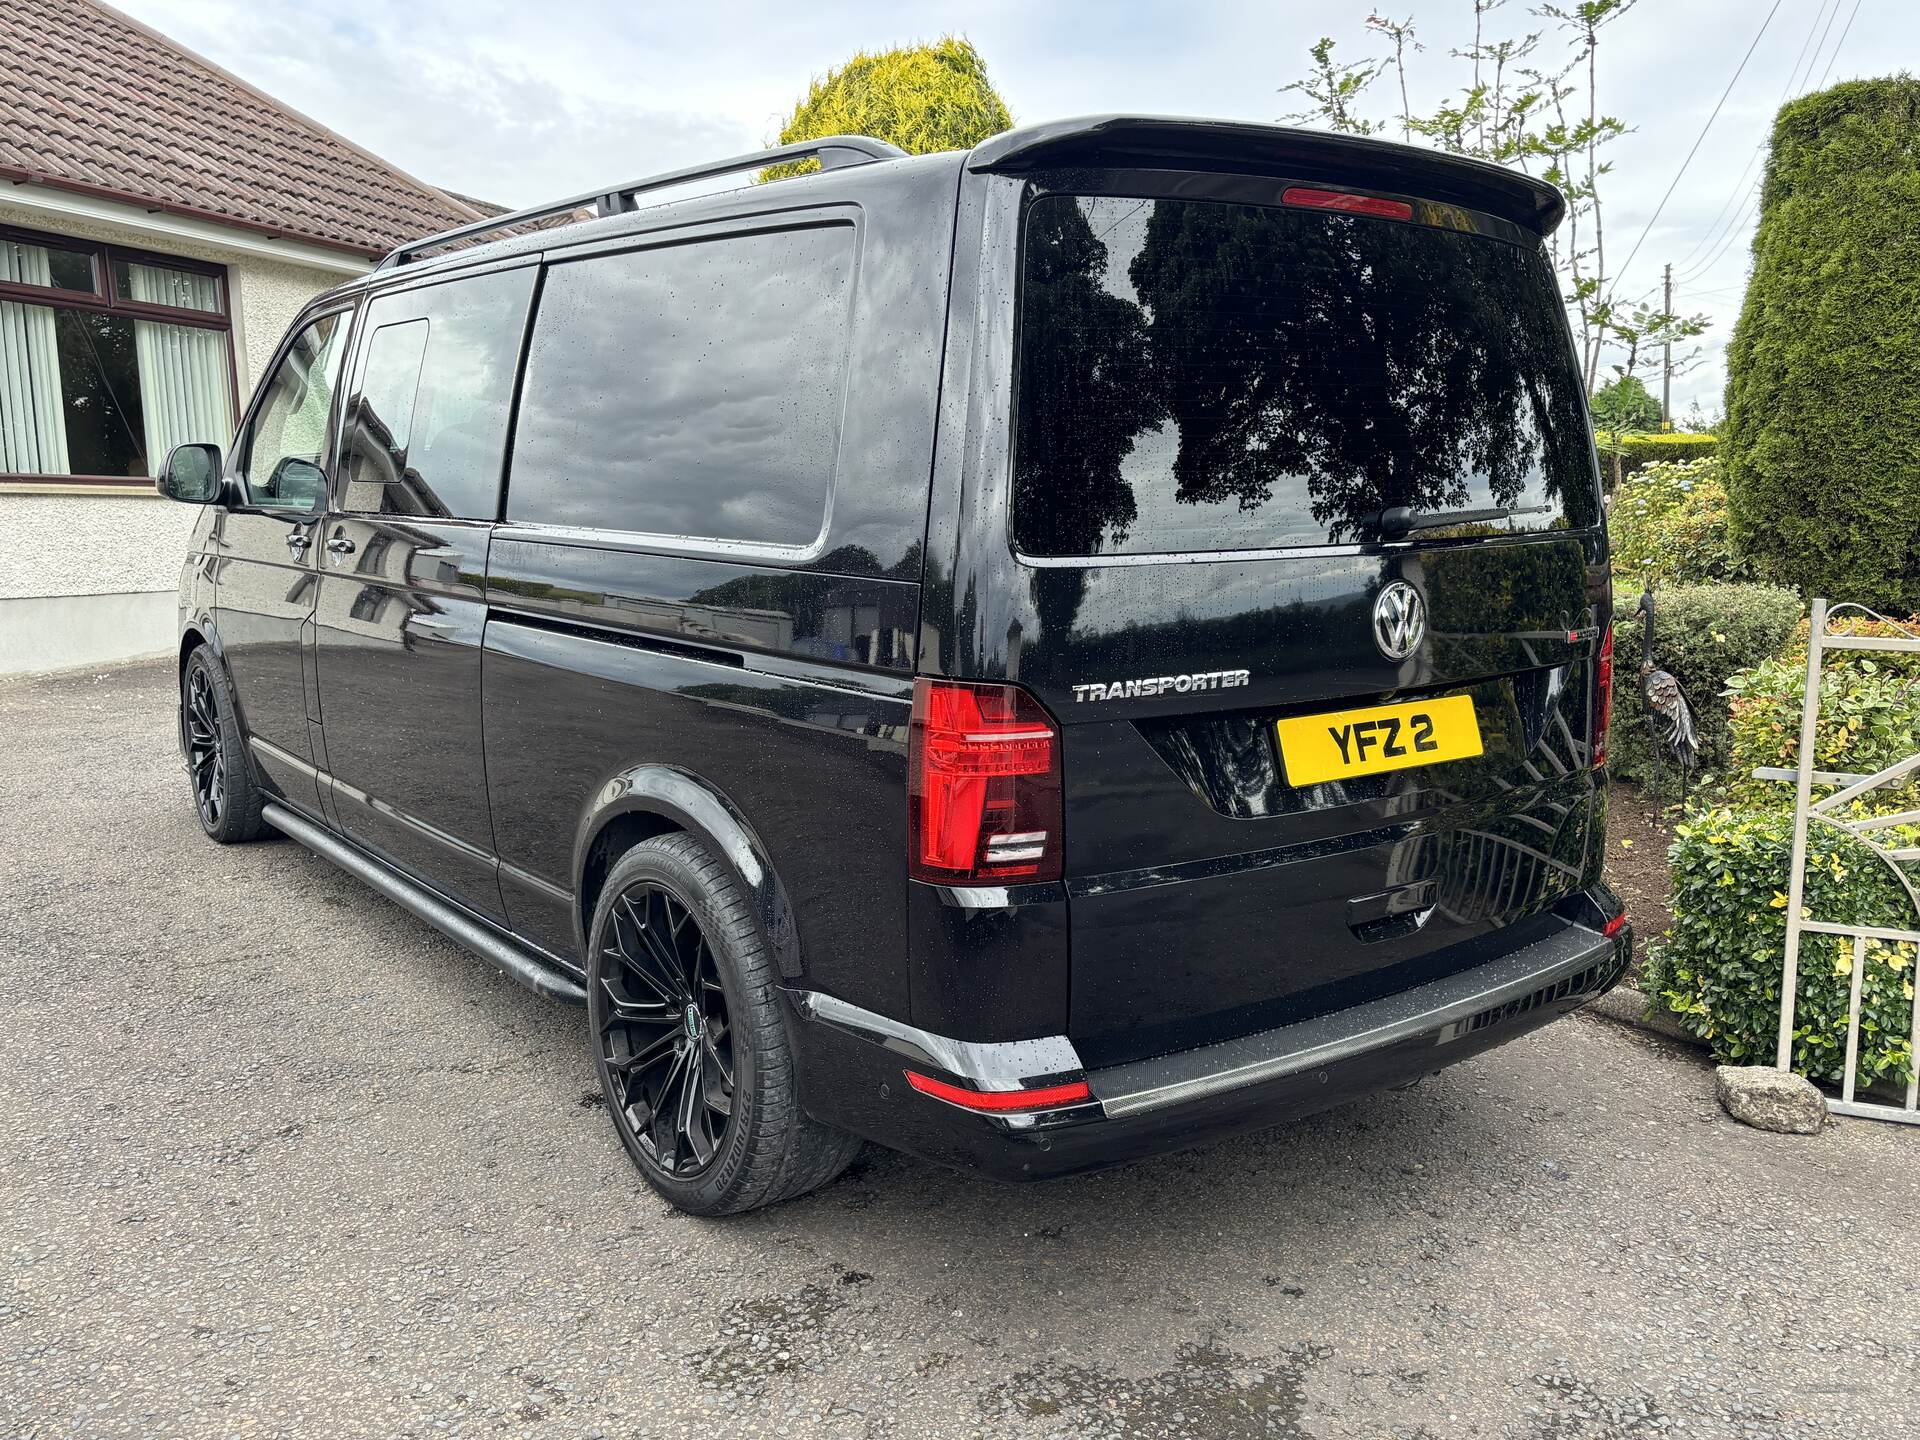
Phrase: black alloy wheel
[224,792]
[690,1038]
[206,756]
[664,1031]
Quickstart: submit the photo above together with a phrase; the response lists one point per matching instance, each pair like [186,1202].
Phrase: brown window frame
[103,299]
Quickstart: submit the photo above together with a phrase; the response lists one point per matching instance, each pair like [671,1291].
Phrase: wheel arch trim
[197,630]
[693,805]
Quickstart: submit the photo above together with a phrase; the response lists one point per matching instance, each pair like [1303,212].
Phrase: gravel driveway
[277,1160]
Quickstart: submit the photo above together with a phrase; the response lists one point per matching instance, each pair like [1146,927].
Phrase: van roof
[1108,141]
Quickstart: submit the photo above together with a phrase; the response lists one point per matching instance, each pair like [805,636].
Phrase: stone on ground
[1769,1099]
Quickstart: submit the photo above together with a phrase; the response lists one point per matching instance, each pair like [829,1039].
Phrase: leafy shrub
[1669,524]
[1869,717]
[1719,968]
[1703,634]
[1823,375]
[922,98]
[1625,403]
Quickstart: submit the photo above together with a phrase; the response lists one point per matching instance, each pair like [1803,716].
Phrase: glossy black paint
[592,667]
[858,1079]
[486,708]
[1208,896]
[264,592]
[398,633]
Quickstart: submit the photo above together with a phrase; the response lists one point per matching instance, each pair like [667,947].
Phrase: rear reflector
[1603,699]
[1615,925]
[999,1101]
[983,785]
[1345,200]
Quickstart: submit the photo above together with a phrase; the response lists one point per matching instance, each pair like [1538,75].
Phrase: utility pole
[1666,354]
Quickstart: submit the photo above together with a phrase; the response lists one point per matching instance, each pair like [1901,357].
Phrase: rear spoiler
[1244,148]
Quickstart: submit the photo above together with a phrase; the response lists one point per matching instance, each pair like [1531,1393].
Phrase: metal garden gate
[1828,812]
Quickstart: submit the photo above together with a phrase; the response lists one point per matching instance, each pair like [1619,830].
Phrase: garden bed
[1639,829]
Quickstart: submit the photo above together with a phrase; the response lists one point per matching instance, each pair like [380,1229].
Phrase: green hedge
[922,98]
[1823,372]
[1669,524]
[1869,718]
[1623,455]
[1703,635]
[1719,968]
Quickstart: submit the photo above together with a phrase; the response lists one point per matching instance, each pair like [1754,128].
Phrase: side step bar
[511,959]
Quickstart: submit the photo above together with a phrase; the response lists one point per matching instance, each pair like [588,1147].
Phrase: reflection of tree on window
[1204,376]
[1087,390]
[1087,383]
[1388,363]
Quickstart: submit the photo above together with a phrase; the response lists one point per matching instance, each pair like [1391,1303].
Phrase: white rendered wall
[118,554]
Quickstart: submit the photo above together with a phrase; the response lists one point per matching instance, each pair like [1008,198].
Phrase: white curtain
[184,389]
[33,425]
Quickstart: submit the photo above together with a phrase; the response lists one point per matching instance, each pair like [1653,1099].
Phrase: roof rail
[834,152]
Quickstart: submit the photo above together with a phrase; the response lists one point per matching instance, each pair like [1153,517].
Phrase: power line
[1738,229]
[1838,43]
[1823,44]
[1698,139]
[1809,85]
[1739,186]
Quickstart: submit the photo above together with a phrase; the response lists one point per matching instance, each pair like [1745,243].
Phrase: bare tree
[1543,119]
[1400,32]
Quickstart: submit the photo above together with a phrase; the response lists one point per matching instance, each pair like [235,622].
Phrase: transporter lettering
[1161,685]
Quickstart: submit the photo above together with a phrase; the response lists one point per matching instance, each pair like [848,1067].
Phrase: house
[161,223]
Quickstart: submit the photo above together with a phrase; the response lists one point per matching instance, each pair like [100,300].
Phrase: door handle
[340,545]
[297,544]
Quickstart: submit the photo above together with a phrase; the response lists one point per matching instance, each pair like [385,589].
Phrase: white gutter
[66,204]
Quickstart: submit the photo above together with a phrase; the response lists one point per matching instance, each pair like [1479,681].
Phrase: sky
[519,103]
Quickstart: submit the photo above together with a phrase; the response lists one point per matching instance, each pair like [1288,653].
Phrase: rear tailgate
[1211,896]
[1284,461]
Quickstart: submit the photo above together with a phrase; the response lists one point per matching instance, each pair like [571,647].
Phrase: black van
[1034,657]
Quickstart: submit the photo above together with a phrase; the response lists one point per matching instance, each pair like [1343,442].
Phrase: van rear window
[1202,376]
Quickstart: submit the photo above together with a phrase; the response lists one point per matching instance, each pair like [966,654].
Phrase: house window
[108,359]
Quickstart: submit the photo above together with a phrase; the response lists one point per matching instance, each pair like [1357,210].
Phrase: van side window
[689,390]
[286,443]
[427,423]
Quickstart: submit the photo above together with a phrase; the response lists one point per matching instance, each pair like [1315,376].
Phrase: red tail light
[998,1101]
[1615,925]
[1603,699]
[983,785]
[1344,200]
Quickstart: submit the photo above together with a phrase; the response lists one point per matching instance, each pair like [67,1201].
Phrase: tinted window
[427,426]
[1196,375]
[287,444]
[690,390]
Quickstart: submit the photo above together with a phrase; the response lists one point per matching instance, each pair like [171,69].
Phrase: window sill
[135,488]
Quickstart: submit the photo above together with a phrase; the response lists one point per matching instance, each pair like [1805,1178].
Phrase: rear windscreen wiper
[1398,520]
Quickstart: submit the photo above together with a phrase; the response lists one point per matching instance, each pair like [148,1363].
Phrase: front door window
[285,449]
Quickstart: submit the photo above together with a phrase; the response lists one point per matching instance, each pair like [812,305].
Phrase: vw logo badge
[1399,620]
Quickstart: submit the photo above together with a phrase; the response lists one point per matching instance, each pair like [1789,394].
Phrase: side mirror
[191,474]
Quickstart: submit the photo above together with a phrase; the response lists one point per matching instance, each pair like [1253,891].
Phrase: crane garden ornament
[1669,717]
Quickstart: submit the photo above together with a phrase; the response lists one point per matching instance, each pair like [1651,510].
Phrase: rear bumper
[853,1062]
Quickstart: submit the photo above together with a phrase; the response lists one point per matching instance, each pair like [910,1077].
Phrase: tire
[689,1043]
[224,795]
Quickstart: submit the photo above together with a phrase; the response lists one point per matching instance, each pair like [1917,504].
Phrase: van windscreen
[1201,376]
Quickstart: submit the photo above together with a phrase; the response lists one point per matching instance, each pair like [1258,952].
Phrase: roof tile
[92,97]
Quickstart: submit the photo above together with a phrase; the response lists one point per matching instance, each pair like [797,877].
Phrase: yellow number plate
[1384,737]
